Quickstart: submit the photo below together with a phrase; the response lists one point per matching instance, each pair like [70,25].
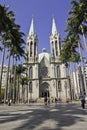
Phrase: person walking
[9,102]
[45,100]
[56,100]
[82,99]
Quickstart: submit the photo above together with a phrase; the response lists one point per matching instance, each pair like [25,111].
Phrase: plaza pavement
[63,116]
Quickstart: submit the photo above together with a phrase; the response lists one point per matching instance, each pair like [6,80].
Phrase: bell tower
[55,41]
[32,62]
[32,44]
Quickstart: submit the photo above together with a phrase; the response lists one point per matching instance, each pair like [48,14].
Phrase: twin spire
[54,28]
[32,28]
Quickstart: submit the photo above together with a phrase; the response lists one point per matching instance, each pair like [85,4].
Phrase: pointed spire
[32,29]
[54,28]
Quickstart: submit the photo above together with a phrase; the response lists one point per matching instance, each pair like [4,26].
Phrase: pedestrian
[56,100]
[82,99]
[48,100]
[45,100]
[9,102]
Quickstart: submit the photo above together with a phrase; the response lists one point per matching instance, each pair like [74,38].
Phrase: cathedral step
[40,100]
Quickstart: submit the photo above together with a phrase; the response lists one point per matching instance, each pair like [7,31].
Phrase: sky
[43,11]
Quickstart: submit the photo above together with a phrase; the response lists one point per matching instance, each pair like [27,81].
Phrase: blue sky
[42,10]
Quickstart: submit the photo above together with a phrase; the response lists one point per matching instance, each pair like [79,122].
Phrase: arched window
[52,43]
[30,72]
[31,48]
[28,43]
[53,51]
[52,48]
[58,71]
[34,48]
[56,48]
[59,86]
[30,87]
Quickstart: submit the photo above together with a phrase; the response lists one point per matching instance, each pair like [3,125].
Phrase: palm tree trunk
[85,43]
[76,81]
[72,82]
[12,76]
[83,85]
[17,89]
[2,63]
[22,93]
[84,39]
[7,78]
[14,83]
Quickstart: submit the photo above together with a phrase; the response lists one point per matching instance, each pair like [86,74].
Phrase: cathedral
[47,74]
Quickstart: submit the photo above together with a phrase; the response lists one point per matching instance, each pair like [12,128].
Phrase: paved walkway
[39,117]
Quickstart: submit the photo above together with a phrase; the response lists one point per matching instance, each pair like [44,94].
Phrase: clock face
[44,71]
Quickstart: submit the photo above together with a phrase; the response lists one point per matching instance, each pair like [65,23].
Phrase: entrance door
[44,90]
[46,94]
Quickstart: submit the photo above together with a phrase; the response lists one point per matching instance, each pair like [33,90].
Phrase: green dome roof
[44,54]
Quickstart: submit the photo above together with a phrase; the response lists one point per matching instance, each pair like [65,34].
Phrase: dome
[44,50]
[44,54]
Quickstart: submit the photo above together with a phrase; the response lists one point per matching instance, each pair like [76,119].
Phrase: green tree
[76,23]
[15,49]
[5,24]
[20,69]
[78,19]
[24,81]
[11,38]
[76,26]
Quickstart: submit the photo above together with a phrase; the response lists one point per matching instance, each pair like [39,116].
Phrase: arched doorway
[44,90]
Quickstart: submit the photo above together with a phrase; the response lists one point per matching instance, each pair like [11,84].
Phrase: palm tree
[16,49]
[76,25]
[5,23]
[69,54]
[69,51]
[11,36]
[79,22]
[79,19]
[24,81]
[20,69]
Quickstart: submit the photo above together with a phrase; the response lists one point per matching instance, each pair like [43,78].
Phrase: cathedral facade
[48,76]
